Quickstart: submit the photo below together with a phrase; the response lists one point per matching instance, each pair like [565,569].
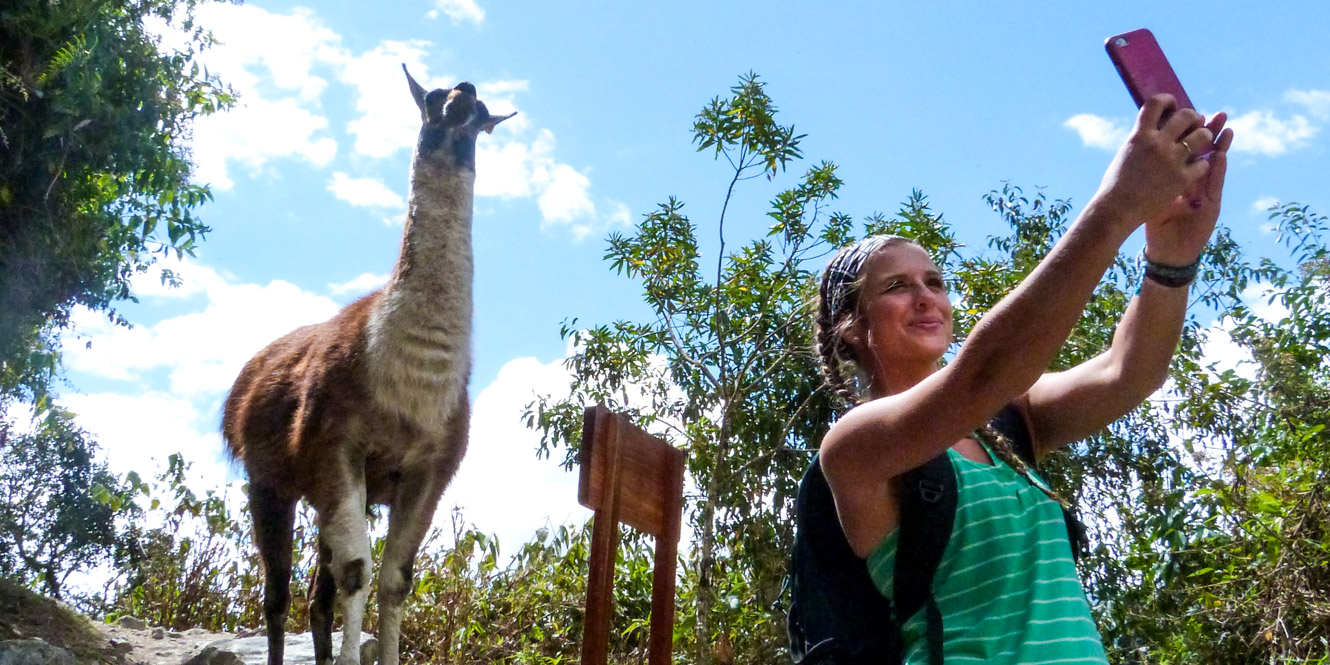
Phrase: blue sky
[310,171]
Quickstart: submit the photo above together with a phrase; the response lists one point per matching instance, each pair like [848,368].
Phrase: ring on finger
[1184,144]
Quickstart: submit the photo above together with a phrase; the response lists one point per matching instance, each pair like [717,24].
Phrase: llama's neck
[436,240]
[419,335]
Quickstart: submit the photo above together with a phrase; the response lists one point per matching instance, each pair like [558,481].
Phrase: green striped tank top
[1006,587]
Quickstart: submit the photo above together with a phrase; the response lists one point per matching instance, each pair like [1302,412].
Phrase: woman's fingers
[1180,124]
[1197,142]
[1225,140]
[1216,124]
[1153,110]
[1219,165]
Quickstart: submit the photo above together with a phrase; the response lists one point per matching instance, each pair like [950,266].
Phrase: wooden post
[632,477]
[604,546]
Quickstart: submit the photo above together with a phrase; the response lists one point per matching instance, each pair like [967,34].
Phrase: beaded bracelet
[1170,276]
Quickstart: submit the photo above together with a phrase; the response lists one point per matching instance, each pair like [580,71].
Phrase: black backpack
[836,615]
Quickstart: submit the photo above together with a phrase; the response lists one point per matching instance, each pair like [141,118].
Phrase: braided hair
[838,312]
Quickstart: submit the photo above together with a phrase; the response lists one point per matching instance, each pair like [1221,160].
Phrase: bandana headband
[845,267]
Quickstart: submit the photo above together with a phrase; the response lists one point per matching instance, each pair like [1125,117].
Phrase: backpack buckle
[930,490]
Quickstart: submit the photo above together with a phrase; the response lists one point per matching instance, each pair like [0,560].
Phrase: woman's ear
[854,337]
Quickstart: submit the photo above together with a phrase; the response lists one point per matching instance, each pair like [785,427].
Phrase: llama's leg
[342,526]
[322,595]
[409,518]
[274,518]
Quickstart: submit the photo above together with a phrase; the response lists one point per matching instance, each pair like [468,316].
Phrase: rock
[211,655]
[33,652]
[251,632]
[298,650]
[369,652]
[158,633]
[174,635]
[132,623]
[196,632]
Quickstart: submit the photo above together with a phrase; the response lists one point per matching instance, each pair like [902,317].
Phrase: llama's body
[369,407]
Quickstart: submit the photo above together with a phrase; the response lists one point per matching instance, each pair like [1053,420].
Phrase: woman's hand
[1180,234]
[1155,167]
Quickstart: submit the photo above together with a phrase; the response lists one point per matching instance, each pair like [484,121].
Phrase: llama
[369,407]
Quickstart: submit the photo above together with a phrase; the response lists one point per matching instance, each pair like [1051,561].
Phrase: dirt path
[156,646]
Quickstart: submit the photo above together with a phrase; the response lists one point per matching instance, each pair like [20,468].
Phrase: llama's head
[450,121]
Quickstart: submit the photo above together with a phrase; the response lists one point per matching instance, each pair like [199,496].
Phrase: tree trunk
[705,562]
[704,589]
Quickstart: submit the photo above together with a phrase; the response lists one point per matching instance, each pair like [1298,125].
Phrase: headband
[845,266]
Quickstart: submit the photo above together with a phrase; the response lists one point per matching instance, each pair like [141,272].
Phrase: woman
[1007,588]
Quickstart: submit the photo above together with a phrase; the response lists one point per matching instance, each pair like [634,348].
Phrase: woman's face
[904,313]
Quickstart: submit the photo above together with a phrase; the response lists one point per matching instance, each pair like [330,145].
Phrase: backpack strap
[1011,423]
[927,500]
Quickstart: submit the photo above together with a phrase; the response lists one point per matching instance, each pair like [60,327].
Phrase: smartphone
[1142,65]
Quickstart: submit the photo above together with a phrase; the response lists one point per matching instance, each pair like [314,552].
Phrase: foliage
[196,569]
[468,608]
[1234,566]
[199,569]
[60,507]
[94,173]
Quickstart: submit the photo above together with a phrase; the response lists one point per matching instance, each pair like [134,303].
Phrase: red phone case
[1143,67]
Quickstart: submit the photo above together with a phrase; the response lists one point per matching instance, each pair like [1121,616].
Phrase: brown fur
[305,394]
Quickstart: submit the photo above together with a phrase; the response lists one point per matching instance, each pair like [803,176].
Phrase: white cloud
[140,432]
[565,198]
[1260,132]
[1263,133]
[1263,204]
[254,133]
[284,47]
[514,168]
[501,486]
[269,59]
[275,62]
[365,283]
[202,351]
[195,279]
[1317,102]
[1097,132]
[622,215]
[364,192]
[501,88]
[459,10]
[389,119]
[520,169]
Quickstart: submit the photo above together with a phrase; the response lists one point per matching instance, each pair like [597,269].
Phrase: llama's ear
[416,91]
[494,120]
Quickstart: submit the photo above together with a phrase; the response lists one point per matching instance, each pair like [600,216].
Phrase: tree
[60,507]
[94,171]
